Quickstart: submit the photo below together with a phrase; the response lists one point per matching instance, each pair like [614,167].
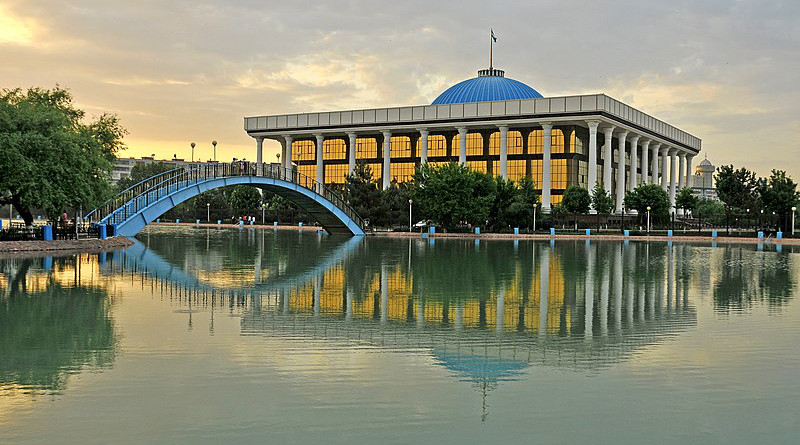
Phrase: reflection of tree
[748,277]
[46,334]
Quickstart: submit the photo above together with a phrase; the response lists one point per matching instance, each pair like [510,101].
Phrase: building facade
[496,125]
[703,184]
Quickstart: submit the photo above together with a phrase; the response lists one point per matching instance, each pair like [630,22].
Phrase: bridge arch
[130,211]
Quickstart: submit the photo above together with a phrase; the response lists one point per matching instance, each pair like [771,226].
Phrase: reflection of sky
[726,376]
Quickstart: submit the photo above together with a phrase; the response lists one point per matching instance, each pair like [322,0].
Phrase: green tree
[362,192]
[710,211]
[503,213]
[525,203]
[49,157]
[601,200]
[576,200]
[738,189]
[452,195]
[651,195]
[779,194]
[140,172]
[245,200]
[686,200]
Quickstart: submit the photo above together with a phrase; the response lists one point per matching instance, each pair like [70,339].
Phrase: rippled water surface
[251,336]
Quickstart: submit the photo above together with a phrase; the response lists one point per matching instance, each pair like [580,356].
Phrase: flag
[494,39]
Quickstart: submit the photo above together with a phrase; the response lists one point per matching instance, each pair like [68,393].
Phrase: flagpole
[491,48]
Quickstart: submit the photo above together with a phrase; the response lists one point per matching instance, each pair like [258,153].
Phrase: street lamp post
[748,218]
[192,145]
[214,143]
[648,220]
[263,213]
[410,202]
[794,210]
[534,216]
[208,212]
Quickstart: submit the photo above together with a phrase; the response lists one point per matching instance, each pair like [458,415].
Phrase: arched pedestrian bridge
[139,205]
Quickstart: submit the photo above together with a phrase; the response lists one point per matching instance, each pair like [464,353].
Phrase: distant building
[703,184]
[123,166]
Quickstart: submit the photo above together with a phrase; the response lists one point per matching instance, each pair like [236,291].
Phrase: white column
[259,154]
[351,155]
[547,141]
[634,163]
[287,156]
[320,165]
[503,151]
[681,170]
[592,176]
[423,145]
[387,151]
[462,145]
[654,163]
[664,167]
[673,176]
[621,170]
[608,155]
[646,161]
[689,174]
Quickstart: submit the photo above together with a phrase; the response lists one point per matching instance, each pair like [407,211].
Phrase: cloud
[190,70]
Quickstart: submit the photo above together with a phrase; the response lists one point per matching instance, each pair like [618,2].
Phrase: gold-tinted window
[334,149]
[402,171]
[335,174]
[558,174]
[401,147]
[516,170]
[535,144]
[308,170]
[366,148]
[437,145]
[377,171]
[303,151]
[474,144]
[514,143]
[478,166]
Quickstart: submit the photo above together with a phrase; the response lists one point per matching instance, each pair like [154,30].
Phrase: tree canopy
[50,158]
[651,195]
[686,200]
[738,189]
[601,200]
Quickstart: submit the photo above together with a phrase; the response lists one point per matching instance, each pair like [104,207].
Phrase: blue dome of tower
[490,85]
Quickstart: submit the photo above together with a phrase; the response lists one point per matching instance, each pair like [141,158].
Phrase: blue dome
[488,86]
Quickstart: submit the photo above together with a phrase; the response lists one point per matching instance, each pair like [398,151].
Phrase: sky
[181,71]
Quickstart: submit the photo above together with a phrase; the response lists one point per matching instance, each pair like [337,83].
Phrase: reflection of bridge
[142,203]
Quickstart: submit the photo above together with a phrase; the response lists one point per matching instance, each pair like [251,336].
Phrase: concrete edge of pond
[62,247]
[603,237]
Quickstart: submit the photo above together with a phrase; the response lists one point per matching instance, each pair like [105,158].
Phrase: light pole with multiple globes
[192,145]
[214,143]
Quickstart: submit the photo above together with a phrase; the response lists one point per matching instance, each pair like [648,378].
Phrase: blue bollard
[760,234]
[103,233]
[713,234]
[588,232]
[219,222]
[432,230]
[47,233]
[627,233]
[477,230]
[779,235]
[252,222]
[669,233]
[177,221]
[241,224]
[300,224]
[552,231]
[197,222]
[39,217]
[516,230]
[158,220]
[275,223]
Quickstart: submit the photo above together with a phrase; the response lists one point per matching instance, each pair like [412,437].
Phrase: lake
[197,335]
